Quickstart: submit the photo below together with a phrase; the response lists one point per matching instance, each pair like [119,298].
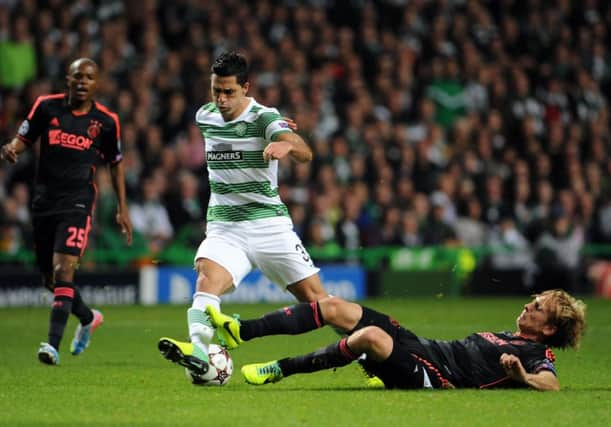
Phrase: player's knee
[373,341]
[202,276]
[331,308]
[308,290]
[372,334]
[211,281]
[370,338]
[202,282]
[340,313]
[64,270]
[199,266]
[317,292]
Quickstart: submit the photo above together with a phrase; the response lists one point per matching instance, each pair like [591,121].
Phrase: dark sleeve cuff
[24,140]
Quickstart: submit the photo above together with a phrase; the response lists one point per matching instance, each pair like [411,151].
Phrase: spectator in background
[522,211]
[300,183]
[445,194]
[585,216]
[17,54]
[9,113]
[523,104]
[347,230]
[387,233]
[447,91]
[299,215]
[419,129]
[510,249]
[324,230]
[12,233]
[133,169]
[557,253]
[409,232]
[404,193]
[184,205]
[470,230]
[176,119]
[21,195]
[152,145]
[341,159]
[495,205]
[104,212]
[150,217]
[541,210]
[435,230]
[360,76]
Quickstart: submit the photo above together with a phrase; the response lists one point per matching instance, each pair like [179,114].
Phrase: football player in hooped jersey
[76,134]
[403,360]
[248,226]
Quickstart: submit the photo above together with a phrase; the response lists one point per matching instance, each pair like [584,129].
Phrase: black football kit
[72,145]
[473,362]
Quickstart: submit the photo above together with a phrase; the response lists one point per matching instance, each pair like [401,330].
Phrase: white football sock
[201,330]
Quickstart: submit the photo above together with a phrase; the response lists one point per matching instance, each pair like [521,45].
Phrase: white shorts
[275,249]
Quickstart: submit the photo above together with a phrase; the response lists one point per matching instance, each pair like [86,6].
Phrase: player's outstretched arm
[543,380]
[290,144]
[118,182]
[11,151]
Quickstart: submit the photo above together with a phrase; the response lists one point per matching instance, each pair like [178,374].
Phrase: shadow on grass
[586,388]
[381,389]
[329,389]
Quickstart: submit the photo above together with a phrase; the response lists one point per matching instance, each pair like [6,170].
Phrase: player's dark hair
[231,64]
[79,61]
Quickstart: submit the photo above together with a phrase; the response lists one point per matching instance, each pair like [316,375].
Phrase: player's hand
[277,150]
[292,125]
[513,367]
[8,153]
[126,226]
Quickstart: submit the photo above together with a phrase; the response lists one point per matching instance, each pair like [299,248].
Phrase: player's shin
[293,320]
[60,311]
[333,356]
[80,309]
[201,330]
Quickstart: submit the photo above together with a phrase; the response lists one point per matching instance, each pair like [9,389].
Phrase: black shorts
[403,369]
[65,233]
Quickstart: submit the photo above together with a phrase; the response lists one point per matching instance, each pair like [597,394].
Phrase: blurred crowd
[483,123]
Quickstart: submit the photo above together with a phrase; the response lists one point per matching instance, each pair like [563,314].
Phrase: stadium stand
[483,123]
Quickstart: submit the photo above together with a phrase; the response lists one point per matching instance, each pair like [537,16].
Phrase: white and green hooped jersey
[243,186]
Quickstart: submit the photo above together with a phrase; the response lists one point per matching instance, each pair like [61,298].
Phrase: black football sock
[80,309]
[333,356]
[293,320]
[374,318]
[60,311]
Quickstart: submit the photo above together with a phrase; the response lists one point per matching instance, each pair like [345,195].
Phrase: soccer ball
[221,368]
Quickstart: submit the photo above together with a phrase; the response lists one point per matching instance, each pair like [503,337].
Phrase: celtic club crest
[240,129]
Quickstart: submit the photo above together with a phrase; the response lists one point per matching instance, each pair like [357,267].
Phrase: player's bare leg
[308,290]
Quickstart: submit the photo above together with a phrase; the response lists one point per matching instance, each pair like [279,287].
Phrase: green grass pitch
[121,380]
